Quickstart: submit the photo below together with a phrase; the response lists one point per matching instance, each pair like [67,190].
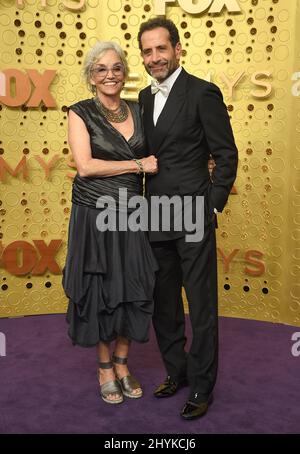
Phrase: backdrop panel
[250,48]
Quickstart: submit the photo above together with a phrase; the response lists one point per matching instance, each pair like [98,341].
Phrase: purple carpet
[49,386]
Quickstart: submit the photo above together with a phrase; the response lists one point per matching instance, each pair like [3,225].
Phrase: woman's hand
[149,164]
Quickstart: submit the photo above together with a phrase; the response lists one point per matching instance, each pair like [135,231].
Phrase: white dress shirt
[160,99]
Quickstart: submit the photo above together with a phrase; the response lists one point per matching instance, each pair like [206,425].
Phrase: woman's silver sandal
[128,383]
[112,387]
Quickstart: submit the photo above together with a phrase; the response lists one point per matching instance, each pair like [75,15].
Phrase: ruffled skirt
[109,279]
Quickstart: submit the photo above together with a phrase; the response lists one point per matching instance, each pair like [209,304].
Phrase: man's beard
[163,74]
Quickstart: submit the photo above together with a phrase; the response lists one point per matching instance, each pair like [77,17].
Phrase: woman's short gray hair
[95,53]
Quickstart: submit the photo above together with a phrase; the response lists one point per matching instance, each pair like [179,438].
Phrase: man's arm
[218,132]
[141,98]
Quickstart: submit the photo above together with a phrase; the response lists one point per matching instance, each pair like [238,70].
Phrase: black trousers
[193,265]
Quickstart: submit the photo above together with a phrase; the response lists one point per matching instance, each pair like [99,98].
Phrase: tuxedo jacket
[193,124]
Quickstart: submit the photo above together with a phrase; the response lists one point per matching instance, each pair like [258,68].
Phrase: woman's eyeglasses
[102,71]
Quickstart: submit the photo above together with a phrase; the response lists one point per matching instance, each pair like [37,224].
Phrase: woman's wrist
[139,164]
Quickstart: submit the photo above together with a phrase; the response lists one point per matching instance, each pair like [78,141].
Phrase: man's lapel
[170,111]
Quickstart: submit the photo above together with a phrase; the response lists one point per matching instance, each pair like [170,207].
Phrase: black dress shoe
[193,410]
[168,388]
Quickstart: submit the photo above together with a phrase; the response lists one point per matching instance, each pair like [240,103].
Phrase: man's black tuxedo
[193,124]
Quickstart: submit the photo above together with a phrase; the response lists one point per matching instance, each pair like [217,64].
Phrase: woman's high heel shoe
[112,387]
[128,383]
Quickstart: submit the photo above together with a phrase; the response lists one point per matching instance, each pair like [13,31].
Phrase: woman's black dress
[109,275]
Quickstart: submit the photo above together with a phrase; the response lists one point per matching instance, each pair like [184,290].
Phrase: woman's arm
[79,141]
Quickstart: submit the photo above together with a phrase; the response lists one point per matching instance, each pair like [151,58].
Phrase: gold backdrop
[254,57]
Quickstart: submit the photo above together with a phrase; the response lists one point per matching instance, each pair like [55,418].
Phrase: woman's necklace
[114,115]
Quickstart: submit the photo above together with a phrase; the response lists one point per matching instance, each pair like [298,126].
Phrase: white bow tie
[155,87]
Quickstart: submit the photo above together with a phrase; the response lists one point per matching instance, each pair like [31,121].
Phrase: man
[185,121]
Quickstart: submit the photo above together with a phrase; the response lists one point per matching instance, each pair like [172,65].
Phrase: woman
[109,275]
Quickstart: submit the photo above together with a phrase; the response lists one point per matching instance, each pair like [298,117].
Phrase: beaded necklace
[118,115]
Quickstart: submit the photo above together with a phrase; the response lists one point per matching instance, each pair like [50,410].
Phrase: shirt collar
[172,78]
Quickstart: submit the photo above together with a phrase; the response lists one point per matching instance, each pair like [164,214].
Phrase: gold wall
[42,50]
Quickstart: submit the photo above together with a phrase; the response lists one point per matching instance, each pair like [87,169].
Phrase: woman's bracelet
[140,166]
